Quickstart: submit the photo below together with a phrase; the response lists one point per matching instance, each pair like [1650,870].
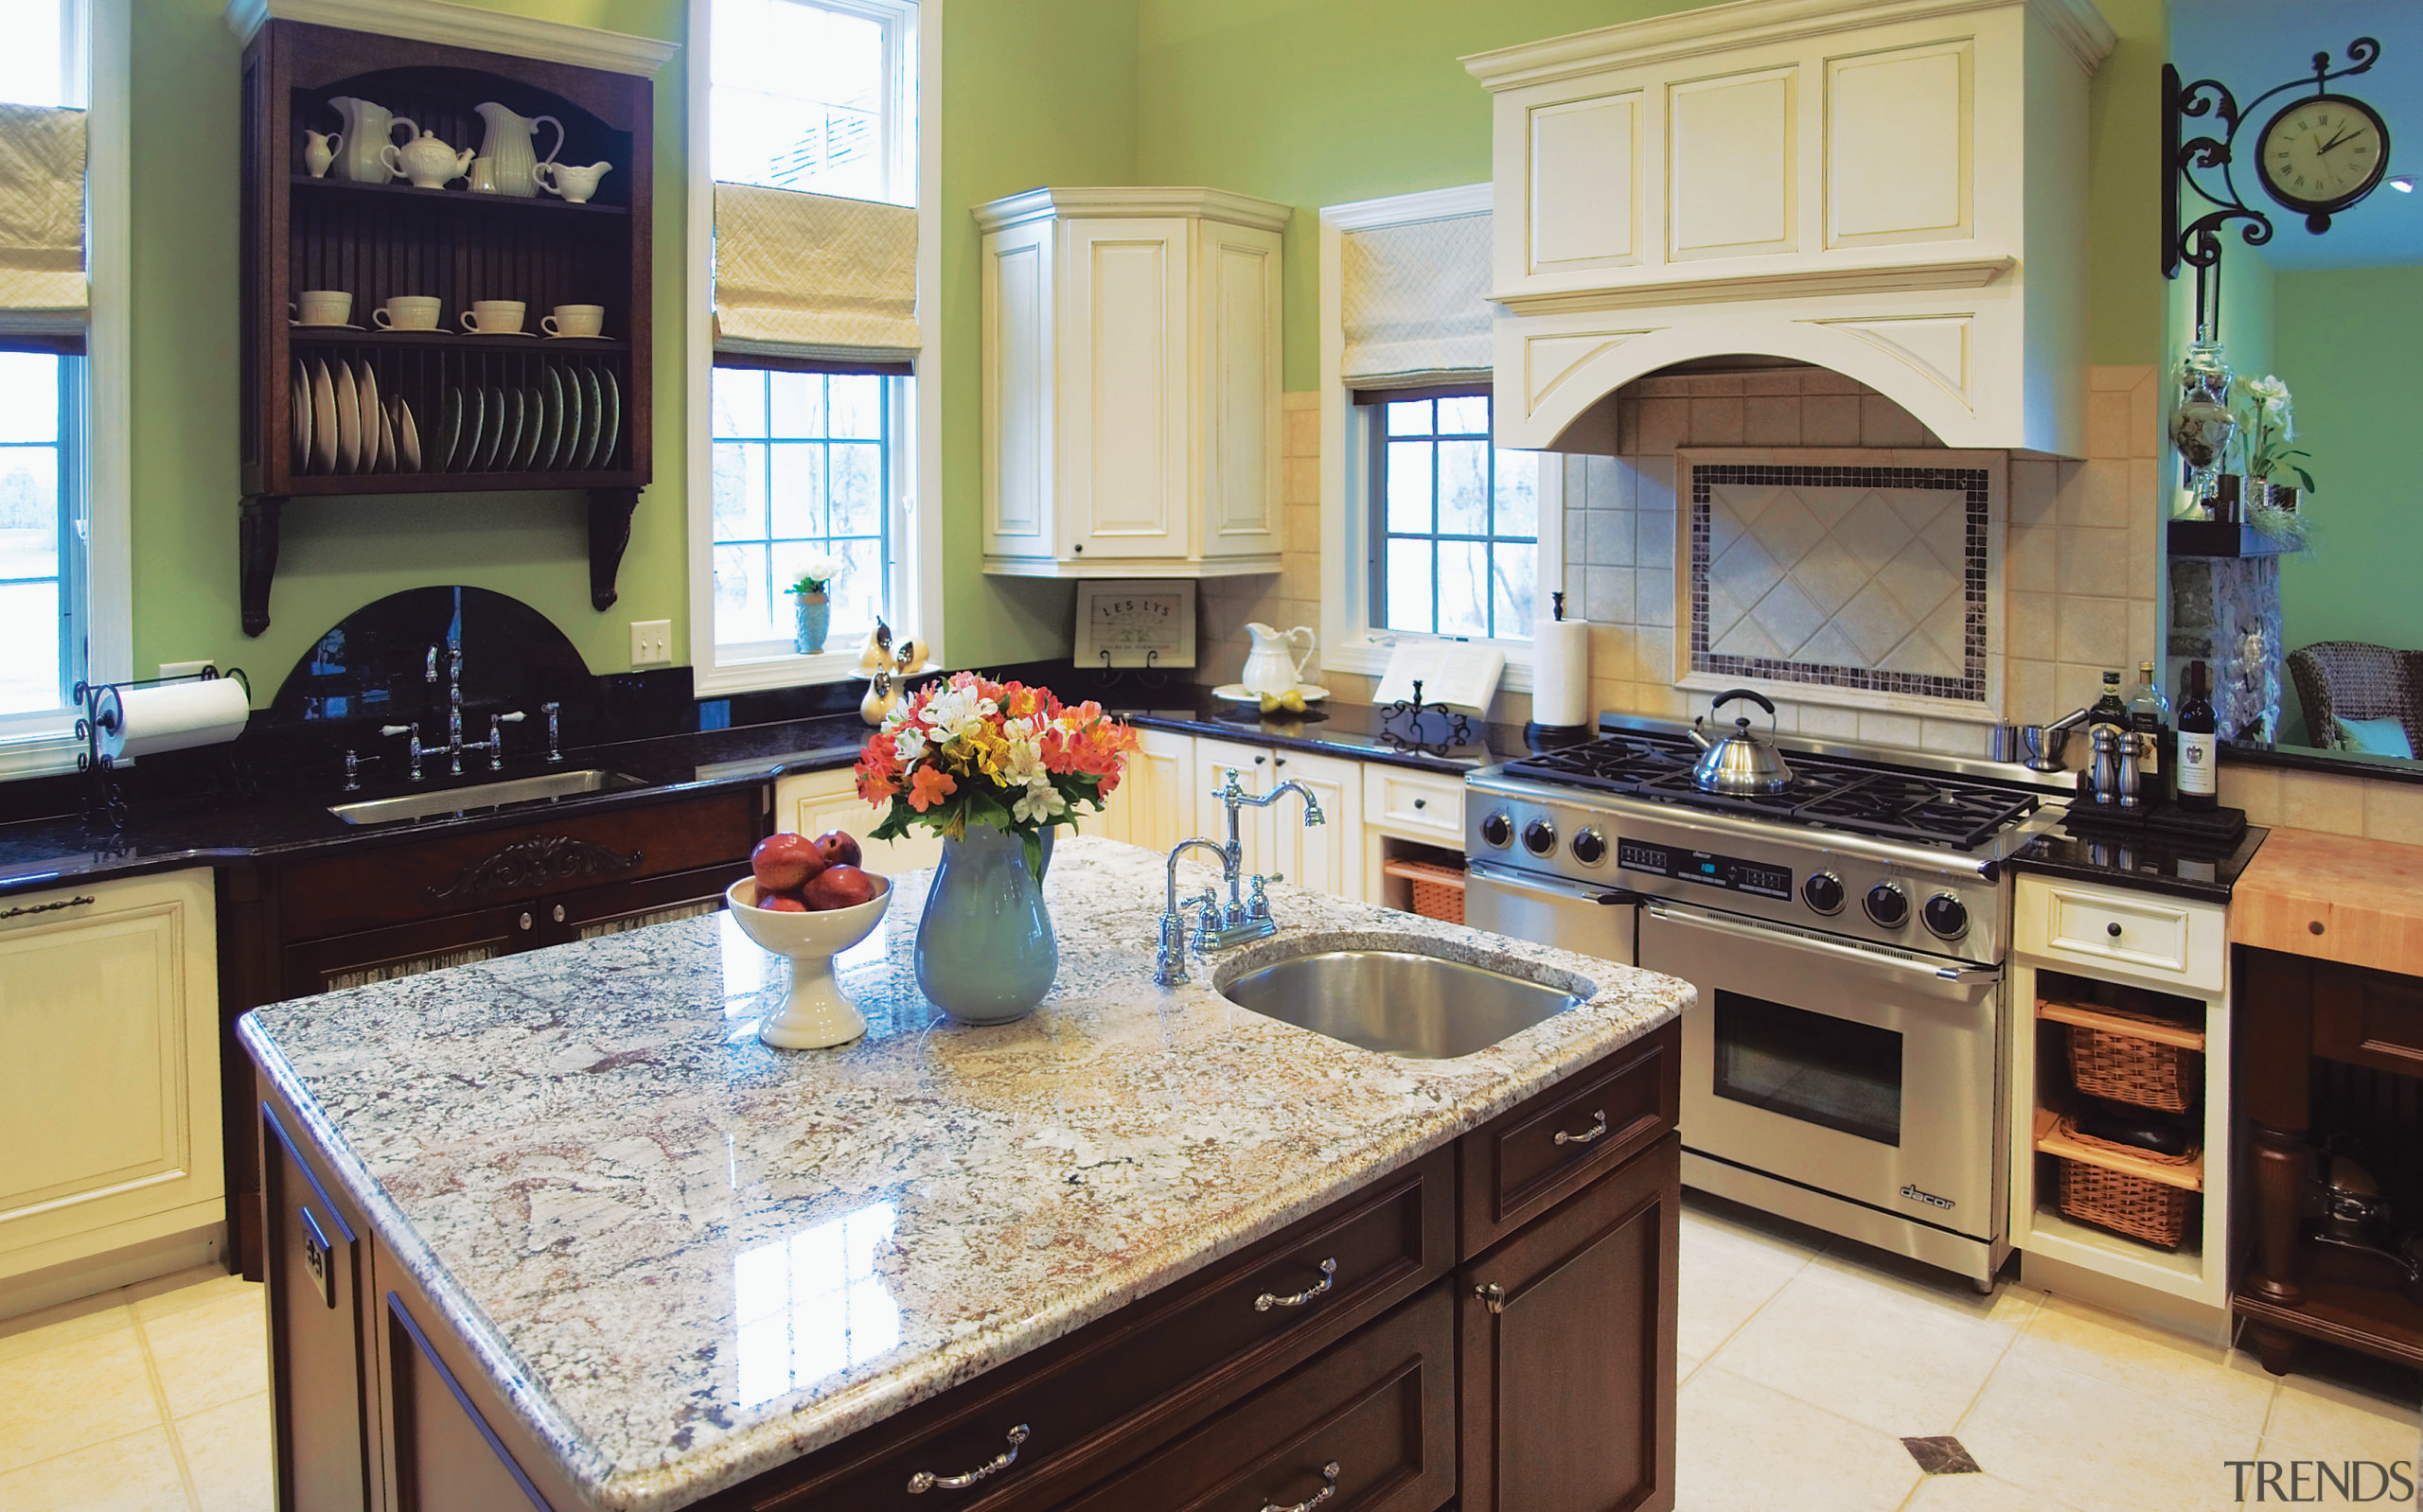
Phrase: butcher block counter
[2356,901]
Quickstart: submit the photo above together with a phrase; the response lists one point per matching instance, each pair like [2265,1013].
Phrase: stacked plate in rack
[342,426]
[565,419]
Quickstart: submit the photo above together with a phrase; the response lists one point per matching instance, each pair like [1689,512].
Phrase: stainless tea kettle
[1743,764]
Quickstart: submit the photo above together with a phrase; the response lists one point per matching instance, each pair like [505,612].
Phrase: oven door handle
[1553,887]
[1804,939]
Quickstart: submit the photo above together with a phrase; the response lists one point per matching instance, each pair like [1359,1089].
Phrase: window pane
[1465,416]
[1463,489]
[740,491]
[1409,487]
[1514,590]
[857,489]
[28,387]
[797,494]
[1409,586]
[29,619]
[1463,588]
[32,71]
[857,406]
[798,404]
[743,609]
[800,96]
[35,572]
[1518,494]
[737,401]
[1408,417]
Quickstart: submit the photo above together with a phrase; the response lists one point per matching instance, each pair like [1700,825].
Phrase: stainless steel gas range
[1842,1066]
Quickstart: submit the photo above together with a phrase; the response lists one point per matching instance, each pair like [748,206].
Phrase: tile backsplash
[2081,550]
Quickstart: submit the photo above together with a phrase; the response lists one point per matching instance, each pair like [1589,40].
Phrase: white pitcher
[369,130]
[509,149]
[1269,667]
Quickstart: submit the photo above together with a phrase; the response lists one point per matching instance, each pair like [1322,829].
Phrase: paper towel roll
[1561,671]
[140,721]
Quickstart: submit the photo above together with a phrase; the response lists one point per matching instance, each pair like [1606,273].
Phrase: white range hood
[1894,189]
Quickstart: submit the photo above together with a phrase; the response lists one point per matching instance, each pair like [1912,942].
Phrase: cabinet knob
[2314,926]
[1421,803]
[2113,929]
[1259,760]
[1493,1296]
[526,921]
[557,913]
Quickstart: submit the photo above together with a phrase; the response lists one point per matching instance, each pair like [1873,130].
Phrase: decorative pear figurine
[428,162]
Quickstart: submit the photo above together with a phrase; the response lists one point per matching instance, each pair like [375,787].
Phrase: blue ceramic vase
[815,623]
[985,950]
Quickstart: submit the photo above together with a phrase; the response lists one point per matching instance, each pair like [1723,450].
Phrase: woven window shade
[1415,304]
[810,276]
[43,287]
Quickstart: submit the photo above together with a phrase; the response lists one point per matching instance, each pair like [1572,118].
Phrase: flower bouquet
[815,606]
[989,767]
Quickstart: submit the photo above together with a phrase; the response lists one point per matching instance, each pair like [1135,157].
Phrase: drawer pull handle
[80,902]
[1421,803]
[2113,929]
[1493,1296]
[924,1481]
[1596,1131]
[1329,1488]
[1329,1279]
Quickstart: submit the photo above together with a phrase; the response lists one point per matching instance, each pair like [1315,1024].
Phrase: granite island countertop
[607,1184]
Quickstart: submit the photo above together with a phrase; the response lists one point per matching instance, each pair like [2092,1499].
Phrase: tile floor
[1804,1365]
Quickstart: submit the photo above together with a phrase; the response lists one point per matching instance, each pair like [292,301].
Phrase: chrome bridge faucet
[1242,917]
[457,747]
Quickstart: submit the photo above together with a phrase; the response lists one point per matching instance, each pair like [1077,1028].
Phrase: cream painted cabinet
[813,803]
[1326,857]
[1155,806]
[1131,365]
[108,1068]
[1214,761]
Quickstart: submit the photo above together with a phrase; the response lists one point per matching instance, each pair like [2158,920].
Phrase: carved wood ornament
[532,863]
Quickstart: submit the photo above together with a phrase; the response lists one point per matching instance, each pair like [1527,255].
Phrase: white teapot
[424,160]
[1271,666]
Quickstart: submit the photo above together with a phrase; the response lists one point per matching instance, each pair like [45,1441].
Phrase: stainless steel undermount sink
[1400,1002]
[455,801]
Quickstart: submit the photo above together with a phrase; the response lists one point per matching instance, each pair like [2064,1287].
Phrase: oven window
[1826,1071]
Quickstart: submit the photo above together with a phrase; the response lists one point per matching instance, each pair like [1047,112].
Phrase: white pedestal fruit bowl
[815,1016]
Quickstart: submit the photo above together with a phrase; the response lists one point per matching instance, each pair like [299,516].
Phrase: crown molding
[462,26]
[2076,25]
[1409,209]
[1870,278]
[1123,202]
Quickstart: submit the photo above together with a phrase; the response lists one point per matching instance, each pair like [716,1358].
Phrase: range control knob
[1888,904]
[1539,837]
[1498,830]
[1590,848]
[1945,916]
[1823,891]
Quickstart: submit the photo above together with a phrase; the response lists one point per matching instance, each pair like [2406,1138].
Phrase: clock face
[2322,153]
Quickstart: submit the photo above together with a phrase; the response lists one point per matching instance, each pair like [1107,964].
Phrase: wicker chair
[2353,680]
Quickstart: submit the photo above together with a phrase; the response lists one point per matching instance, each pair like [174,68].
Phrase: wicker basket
[2127,1068]
[1438,890]
[2138,1207]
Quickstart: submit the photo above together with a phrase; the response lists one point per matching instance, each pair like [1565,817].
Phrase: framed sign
[1148,624]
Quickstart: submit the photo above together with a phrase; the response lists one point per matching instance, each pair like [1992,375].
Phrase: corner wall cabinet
[109,1069]
[452,411]
[1131,383]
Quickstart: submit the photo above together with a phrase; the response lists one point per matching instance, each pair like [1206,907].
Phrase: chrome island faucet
[1241,918]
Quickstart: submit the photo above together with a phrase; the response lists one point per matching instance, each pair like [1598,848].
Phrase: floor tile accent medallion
[1941,1456]
[1871,578]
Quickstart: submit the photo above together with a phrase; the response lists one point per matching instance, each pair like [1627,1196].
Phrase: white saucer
[548,336]
[1239,693]
[323,326]
[461,332]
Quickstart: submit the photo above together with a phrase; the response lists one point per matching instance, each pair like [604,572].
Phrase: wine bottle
[2199,746]
[2150,721]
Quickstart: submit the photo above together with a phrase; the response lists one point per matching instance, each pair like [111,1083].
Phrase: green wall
[2344,341]
[1317,102]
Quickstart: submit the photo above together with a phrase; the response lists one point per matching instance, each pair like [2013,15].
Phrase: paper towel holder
[104,803]
[1538,737]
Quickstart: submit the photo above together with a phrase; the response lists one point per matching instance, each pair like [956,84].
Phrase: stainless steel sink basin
[455,801]
[1398,1002]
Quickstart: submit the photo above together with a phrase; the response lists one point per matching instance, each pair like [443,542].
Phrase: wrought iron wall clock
[2314,154]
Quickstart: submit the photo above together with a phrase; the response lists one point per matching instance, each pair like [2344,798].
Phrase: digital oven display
[1705,868]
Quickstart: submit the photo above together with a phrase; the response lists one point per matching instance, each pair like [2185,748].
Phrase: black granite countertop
[219,829]
[1356,731]
[2147,864]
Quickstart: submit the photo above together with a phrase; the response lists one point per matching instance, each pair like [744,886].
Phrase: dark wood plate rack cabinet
[376,241]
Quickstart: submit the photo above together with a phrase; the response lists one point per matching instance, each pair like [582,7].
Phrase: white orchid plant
[2268,425]
[815,573]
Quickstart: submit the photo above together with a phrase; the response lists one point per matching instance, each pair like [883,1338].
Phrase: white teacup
[494,317]
[322,306]
[576,185]
[407,312]
[574,320]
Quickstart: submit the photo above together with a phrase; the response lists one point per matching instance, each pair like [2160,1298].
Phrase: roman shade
[1414,303]
[814,276]
[43,291]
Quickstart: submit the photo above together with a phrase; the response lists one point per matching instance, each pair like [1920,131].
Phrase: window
[818,97]
[41,531]
[1455,521]
[805,467]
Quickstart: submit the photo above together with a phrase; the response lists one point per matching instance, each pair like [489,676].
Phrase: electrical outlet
[651,643]
[181,669]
